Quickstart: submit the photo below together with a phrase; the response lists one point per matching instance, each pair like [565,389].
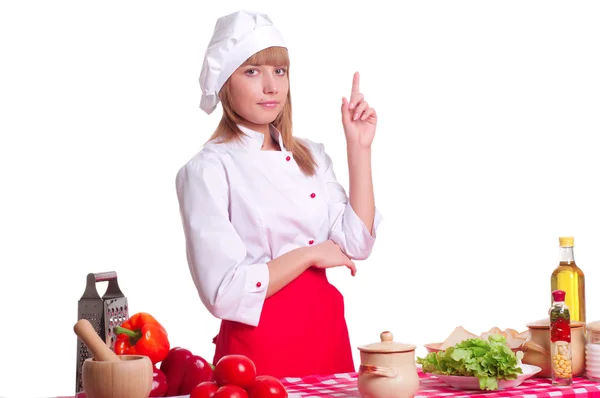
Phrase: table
[344,386]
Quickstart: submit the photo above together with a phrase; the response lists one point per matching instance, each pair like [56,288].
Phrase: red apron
[302,331]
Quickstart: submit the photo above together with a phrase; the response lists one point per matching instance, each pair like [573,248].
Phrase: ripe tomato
[206,389]
[267,387]
[159,383]
[230,391]
[235,369]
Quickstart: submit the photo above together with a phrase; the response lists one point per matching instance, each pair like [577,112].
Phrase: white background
[485,154]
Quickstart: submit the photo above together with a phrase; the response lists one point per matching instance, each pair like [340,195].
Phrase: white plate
[472,383]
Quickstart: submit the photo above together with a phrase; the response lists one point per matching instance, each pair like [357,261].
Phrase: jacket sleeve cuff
[256,285]
[359,241]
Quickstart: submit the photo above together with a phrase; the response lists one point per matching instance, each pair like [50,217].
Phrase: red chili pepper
[142,335]
[561,330]
[184,371]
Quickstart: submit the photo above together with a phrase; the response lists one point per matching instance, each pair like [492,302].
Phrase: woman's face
[259,92]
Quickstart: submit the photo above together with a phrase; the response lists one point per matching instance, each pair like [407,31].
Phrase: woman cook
[263,213]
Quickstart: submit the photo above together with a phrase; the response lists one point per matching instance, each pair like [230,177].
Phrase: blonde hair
[228,130]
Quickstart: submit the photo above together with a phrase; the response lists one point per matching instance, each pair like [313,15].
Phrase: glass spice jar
[560,341]
[592,351]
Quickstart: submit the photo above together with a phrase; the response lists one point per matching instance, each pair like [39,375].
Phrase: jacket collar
[254,140]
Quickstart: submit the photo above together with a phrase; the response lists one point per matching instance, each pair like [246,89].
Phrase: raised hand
[358,119]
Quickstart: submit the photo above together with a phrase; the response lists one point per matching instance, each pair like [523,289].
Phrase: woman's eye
[251,71]
[281,71]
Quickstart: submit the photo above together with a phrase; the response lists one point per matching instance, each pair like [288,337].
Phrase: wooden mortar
[108,375]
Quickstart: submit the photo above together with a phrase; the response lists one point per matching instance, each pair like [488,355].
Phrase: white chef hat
[236,38]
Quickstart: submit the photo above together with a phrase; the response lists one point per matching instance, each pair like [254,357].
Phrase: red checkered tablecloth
[344,385]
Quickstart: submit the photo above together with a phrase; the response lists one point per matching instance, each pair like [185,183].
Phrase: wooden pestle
[101,352]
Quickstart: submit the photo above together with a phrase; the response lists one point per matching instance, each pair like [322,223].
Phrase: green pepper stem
[134,336]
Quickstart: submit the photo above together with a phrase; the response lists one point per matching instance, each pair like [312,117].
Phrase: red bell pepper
[184,371]
[142,335]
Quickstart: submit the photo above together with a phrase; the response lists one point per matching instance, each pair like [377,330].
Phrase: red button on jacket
[258,284]
[310,242]
[288,158]
[312,195]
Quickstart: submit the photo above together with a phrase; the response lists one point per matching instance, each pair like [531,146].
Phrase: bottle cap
[566,241]
[559,295]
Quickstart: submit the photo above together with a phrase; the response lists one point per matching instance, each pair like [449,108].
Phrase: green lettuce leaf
[489,360]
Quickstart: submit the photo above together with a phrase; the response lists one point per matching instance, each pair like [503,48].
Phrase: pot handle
[378,370]
[529,345]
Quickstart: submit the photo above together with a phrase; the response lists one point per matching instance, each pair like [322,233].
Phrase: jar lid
[545,324]
[387,344]
[594,326]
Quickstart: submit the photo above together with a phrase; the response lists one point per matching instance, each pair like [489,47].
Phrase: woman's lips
[269,104]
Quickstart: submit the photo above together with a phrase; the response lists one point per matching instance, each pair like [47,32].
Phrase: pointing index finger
[355,83]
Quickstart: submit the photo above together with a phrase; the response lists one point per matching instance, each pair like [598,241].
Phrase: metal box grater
[104,313]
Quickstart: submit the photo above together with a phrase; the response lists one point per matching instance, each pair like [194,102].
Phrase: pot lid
[387,344]
[544,323]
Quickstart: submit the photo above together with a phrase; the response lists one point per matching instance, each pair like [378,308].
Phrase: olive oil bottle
[570,278]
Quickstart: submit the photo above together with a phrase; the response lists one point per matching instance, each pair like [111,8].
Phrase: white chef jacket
[242,207]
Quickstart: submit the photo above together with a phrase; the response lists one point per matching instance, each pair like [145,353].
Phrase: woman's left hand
[358,119]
